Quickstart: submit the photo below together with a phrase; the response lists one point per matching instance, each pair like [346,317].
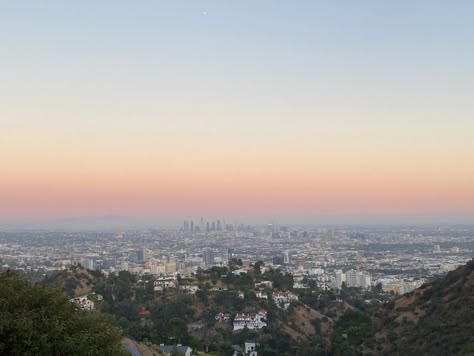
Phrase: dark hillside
[76,281]
[42,321]
[436,319]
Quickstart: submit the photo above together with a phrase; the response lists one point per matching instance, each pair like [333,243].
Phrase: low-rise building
[264,284]
[283,299]
[222,317]
[182,350]
[84,303]
[400,287]
[191,289]
[165,282]
[250,321]
[250,348]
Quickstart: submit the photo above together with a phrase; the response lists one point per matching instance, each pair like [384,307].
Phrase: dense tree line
[42,321]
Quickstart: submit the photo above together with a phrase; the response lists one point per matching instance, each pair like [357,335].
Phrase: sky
[236,108]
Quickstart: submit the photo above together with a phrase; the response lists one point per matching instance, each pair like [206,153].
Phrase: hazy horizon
[116,222]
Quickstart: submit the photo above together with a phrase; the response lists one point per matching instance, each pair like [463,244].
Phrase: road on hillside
[130,347]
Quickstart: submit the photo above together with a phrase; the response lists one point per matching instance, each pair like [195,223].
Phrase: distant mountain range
[98,223]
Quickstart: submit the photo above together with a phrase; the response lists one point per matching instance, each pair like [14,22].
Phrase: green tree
[350,331]
[42,321]
[257,268]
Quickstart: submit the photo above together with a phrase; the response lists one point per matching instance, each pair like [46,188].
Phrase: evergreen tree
[42,321]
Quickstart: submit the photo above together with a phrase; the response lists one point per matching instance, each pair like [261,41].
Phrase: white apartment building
[84,303]
[250,321]
[283,299]
[353,279]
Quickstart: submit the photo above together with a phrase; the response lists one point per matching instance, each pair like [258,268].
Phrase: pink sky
[63,181]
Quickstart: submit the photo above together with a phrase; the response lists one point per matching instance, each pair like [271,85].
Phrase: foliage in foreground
[42,321]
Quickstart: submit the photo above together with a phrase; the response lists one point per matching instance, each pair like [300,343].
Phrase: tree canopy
[42,321]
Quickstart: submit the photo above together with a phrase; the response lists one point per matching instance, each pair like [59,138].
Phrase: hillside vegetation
[76,281]
[42,321]
[436,319]
[190,319]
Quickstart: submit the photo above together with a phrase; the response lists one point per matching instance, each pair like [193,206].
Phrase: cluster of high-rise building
[213,226]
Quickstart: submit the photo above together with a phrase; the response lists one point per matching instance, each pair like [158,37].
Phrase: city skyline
[246,110]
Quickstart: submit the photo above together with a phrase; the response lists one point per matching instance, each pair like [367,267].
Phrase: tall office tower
[225,256]
[186,225]
[219,228]
[207,227]
[286,258]
[277,260]
[142,255]
[365,280]
[269,229]
[202,224]
[208,257]
[230,253]
[352,278]
[88,263]
[213,226]
[192,225]
[340,278]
